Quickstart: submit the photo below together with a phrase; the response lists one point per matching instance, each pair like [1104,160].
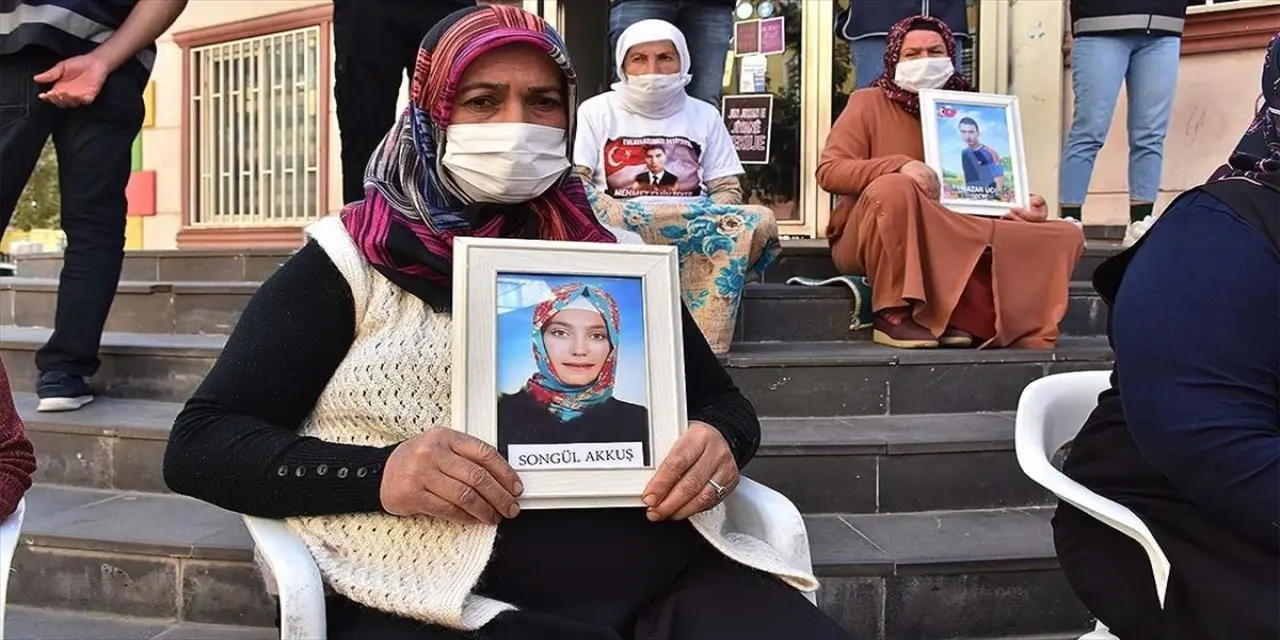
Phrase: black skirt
[610,574]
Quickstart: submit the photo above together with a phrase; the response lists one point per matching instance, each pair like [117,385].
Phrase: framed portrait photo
[569,359]
[974,143]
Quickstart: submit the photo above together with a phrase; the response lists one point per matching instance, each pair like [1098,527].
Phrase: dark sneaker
[896,328]
[60,391]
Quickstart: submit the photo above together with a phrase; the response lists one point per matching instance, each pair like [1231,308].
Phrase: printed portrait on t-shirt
[652,166]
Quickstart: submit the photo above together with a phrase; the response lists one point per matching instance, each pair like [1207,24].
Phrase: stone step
[31,623]
[112,443]
[140,306]
[942,574]
[858,464]
[893,464]
[800,257]
[775,312]
[771,312]
[817,379]
[137,554]
[236,265]
[820,379]
[165,367]
[812,258]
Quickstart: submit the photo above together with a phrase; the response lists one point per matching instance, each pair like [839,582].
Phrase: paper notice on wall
[752,71]
[746,37]
[749,120]
[773,36]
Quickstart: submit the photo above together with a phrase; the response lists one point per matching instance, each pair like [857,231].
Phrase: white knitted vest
[393,384]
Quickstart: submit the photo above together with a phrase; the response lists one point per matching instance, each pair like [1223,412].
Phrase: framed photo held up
[569,358]
[974,143]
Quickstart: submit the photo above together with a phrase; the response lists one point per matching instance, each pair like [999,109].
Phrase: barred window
[256,130]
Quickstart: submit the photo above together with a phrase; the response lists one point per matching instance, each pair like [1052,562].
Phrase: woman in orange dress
[938,278]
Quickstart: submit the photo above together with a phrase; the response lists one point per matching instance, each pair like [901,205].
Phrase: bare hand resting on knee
[682,485]
[1037,212]
[450,475]
[923,176]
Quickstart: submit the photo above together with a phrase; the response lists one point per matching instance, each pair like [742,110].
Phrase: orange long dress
[915,251]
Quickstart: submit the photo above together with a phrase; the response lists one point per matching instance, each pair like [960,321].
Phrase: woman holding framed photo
[938,278]
[331,403]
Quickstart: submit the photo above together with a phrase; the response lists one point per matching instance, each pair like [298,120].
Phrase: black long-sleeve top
[235,443]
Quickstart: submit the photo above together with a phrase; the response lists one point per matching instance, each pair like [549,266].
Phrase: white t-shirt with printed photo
[653,160]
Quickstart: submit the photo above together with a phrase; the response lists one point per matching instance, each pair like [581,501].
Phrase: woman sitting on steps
[661,163]
[937,277]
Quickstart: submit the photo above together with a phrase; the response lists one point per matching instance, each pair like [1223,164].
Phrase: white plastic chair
[10,531]
[1051,412]
[753,509]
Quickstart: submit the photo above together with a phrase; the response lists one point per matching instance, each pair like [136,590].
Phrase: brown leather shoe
[956,338]
[896,328]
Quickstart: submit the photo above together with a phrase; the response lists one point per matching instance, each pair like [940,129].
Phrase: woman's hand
[450,475]
[682,485]
[924,176]
[1038,211]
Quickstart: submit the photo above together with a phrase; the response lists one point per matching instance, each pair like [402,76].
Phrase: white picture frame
[950,120]
[478,264]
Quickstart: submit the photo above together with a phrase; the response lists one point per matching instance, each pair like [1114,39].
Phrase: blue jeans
[867,55]
[708,28]
[1148,66]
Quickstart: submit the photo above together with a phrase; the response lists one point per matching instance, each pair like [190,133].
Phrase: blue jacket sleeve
[1197,340]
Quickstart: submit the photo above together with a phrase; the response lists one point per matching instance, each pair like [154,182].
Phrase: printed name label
[585,455]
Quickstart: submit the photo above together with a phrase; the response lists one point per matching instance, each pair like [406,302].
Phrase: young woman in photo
[570,399]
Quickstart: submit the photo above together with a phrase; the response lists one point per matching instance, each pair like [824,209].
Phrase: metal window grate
[255,148]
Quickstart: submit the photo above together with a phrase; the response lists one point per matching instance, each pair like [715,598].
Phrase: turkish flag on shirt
[619,156]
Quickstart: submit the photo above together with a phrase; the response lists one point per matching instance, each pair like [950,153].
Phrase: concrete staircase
[921,524]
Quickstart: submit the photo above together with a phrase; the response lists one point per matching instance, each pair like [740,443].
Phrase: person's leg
[368,71]
[1098,65]
[1109,572]
[25,125]
[1150,83]
[94,146]
[708,28]
[625,14]
[348,620]
[719,599]
[868,60]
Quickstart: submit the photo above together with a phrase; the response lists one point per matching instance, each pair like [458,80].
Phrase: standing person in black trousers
[376,44]
[74,70]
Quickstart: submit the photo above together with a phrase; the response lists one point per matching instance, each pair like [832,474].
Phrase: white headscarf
[652,96]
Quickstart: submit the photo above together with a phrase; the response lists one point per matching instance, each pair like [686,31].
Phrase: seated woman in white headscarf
[662,164]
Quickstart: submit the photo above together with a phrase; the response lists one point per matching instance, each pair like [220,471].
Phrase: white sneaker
[1138,229]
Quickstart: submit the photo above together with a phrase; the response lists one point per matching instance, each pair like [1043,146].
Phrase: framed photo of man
[974,143]
[568,358]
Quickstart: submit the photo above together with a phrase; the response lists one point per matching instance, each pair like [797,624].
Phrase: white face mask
[923,73]
[504,162]
[654,95]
